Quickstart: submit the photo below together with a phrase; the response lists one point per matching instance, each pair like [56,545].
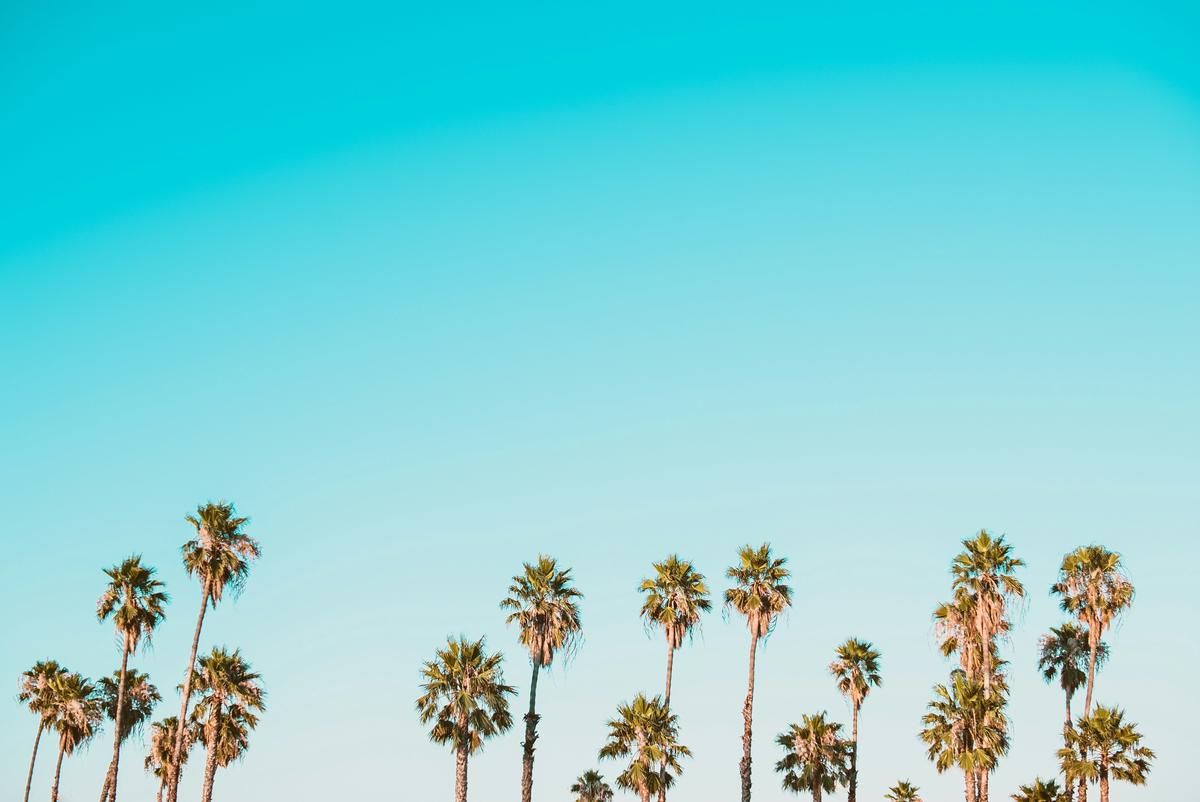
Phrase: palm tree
[675,598]
[75,714]
[856,670]
[219,556]
[229,697]
[35,692]
[464,696]
[162,751]
[1064,653]
[591,787]
[136,702]
[646,730]
[965,728]
[816,757]
[1041,791]
[1093,588]
[545,607]
[1114,748]
[903,791]
[760,595]
[984,573]
[134,600]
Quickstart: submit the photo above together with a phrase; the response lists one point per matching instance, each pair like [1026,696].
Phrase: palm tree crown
[856,670]
[34,686]
[1113,749]
[464,695]
[545,607]
[1063,654]
[646,730]
[139,701]
[223,681]
[591,787]
[965,726]
[816,758]
[903,791]
[759,592]
[134,599]
[1042,791]
[162,747]
[74,709]
[675,598]
[221,552]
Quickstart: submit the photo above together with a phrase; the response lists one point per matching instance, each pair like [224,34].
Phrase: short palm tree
[229,695]
[136,700]
[135,601]
[903,791]
[465,697]
[591,787]
[219,556]
[817,757]
[1042,791]
[675,598]
[1093,587]
[545,607]
[1113,748]
[1064,653]
[965,728]
[647,732]
[760,594]
[856,670]
[75,715]
[35,692]
[162,750]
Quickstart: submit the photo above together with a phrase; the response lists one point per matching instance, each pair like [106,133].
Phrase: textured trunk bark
[1104,781]
[37,739]
[57,770]
[747,719]
[1093,644]
[531,721]
[177,757]
[161,784]
[983,785]
[110,779]
[969,785]
[1067,723]
[460,773]
[662,773]
[1083,791]
[210,760]
[852,794]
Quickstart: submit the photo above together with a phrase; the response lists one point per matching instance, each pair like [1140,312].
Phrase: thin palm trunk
[177,754]
[109,791]
[210,760]
[747,719]
[531,720]
[1104,780]
[162,782]
[662,773]
[37,739]
[62,747]
[853,792]
[969,785]
[460,773]
[1093,643]
[984,775]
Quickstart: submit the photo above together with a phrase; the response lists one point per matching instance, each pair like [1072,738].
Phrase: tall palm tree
[134,600]
[135,702]
[464,695]
[35,691]
[219,556]
[759,594]
[675,598]
[984,572]
[816,757]
[1064,653]
[856,670]
[1113,748]
[965,728]
[1093,588]
[1041,791]
[648,732]
[545,607]
[903,791]
[75,714]
[162,751]
[229,695]
[591,787]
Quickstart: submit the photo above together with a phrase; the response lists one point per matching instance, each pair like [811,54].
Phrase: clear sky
[425,292]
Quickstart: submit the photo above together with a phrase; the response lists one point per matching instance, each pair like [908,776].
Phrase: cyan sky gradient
[427,291]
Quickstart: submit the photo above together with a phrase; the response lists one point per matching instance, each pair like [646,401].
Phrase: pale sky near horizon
[426,293]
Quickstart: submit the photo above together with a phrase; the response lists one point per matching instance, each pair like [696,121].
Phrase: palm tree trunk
[1093,644]
[747,719]
[110,779]
[1104,781]
[984,775]
[37,739]
[62,747]
[1067,723]
[531,720]
[210,760]
[177,757]
[162,782]
[1083,791]
[969,785]
[662,772]
[460,773]
[853,792]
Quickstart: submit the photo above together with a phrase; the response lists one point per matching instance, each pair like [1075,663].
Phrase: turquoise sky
[426,292]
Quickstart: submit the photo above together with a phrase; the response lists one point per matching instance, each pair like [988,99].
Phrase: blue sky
[427,292]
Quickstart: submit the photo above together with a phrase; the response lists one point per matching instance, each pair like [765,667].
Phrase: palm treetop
[162,746]
[75,710]
[675,598]
[134,599]
[903,791]
[1093,586]
[965,726]
[1042,791]
[465,695]
[224,678]
[1063,653]
[221,552]
[140,698]
[1109,741]
[591,787]
[986,566]
[544,605]
[856,669]
[759,592]
[647,730]
[34,686]
[817,755]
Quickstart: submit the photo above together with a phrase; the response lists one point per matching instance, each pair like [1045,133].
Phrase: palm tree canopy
[134,599]
[221,553]
[162,746]
[1110,741]
[591,787]
[903,791]
[34,686]
[759,592]
[1093,587]
[1042,791]
[75,710]
[229,694]
[140,698]
[1063,653]
[648,732]
[231,729]
[965,726]
[816,755]
[675,598]
[856,669]
[464,695]
[545,607]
